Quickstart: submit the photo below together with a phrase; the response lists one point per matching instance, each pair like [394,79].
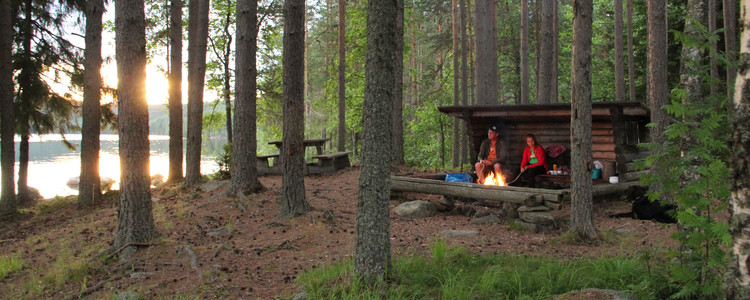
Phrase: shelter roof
[543,112]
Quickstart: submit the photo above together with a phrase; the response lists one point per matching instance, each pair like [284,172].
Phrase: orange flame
[494,179]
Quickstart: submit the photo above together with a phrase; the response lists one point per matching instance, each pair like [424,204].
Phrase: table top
[305,141]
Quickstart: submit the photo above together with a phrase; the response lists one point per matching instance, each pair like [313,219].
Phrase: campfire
[494,179]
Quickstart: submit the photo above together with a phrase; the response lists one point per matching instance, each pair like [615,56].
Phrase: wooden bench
[330,162]
[264,167]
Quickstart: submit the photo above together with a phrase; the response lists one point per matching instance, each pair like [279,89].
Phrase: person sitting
[492,153]
[533,162]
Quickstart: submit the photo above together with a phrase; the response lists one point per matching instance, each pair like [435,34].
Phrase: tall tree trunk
[486,51]
[738,276]
[135,220]
[631,62]
[553,95]
[545,56]
[582,213]
[293,201]
[456,146]
[713,65]
[372,253]
[7,117]
[175,91]
[524,52]
[197,42]
[619,60]
[730,41]
[245,146]
[89,187]
[23,169]
[658,89]
[464,80]
[341,132]
[227,77]
[398,89]
[25,88]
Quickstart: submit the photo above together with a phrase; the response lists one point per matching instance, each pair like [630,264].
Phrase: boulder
[486,220]
[443,203]
[415,209]
[535,228]
[534,200]
[535,217]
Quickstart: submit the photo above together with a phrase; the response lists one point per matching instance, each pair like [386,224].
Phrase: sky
[156,81]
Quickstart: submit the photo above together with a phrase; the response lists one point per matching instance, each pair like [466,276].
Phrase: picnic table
[326,162]
[317,143]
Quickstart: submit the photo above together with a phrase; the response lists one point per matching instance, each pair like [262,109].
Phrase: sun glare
[157,85]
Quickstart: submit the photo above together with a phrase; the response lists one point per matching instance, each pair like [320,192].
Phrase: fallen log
[470,190]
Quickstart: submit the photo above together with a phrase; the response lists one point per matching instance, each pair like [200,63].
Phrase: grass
[453,273]
[9,264]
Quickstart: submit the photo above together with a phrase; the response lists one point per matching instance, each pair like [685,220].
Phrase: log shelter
[617,128]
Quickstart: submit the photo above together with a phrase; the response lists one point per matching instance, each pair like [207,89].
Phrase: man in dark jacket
[492,153]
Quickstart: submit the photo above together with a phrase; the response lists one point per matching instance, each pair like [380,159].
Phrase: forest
[368,77]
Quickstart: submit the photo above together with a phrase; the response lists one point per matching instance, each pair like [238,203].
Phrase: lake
[51,164]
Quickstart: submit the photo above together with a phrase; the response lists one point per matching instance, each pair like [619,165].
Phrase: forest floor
[216,247]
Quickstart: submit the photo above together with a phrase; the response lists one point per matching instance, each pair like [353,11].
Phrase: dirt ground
[216,247]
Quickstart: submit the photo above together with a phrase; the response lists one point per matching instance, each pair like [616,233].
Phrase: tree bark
[713,65]
[197,42]
[23,168]
[619,59]
[456,146]
[135,220]
[372,255]
[524,48]
[89,187]
[464,81]
[175,91]
[658,89]
[582,217]
[245,146]
[631,63]
[293,201]
[341,132]
[398,89]
[7,117]
[738,276]
[545,78]
[486,52]
[730,42]
[553,95]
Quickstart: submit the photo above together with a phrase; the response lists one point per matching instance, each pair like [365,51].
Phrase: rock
[127,295]
[415,209]
[459,233]
[220,231]
[535,228]
[481,213]
[157,179]
[140,275]
[534,200]
[553,205]
[105,183]
[463,210]
[300,296]
[534,208]
[510,210]
[486,220]
[443,203]
[535,217]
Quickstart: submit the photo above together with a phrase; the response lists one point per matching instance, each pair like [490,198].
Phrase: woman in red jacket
[533,162]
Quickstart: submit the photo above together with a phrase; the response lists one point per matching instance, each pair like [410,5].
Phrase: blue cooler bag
[458,177]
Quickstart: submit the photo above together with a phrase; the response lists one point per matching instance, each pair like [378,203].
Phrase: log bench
[330,162]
